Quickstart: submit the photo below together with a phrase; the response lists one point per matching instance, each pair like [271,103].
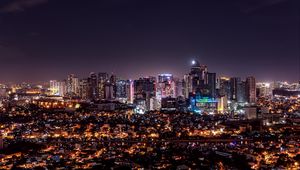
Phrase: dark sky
[47,39]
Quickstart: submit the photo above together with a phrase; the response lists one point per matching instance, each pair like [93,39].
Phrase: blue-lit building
[202,104]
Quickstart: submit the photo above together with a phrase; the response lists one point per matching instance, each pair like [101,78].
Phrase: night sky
[48,39]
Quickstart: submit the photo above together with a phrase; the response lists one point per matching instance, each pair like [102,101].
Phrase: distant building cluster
[199,91]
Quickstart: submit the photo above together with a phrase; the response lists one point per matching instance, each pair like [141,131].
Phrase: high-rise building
[72,85]
[224,87]
[251,90]
[211,84]
[57,88]
[124,90]
[84,89]
[102,80]
[144,90]
[187,86]
[93,86]
[241,92]
[130,91]
[62,88]
[199,80]
[179,87]
[234,81]
[166,86]
[54,87]
[109,91]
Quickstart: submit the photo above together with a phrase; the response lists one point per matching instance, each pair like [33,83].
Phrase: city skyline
[135,39]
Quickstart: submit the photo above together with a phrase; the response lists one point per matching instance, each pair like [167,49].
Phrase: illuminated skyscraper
[234,81]
[57,88]
[198,77]
[109,91]
[224,87]
[179,87]
[72,85]
[102,80]
[187,86]
[124,90]
[199,80]
[144,91]
[166,86]
[84,88]
[93,86]
[62,88]
[251,90]
[130,91]
[241,92]
[54,87]
[211,85]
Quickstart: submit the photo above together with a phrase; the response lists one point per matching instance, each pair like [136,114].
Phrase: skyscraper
[62,88]
[84,89]
[93,86]
[166,86]
[72,85]
[241,92]
[211,84]
[123,90]
[251,90]
[54,87]
[224,87]
[199,80]
[144,90]
[102,80]
[234,81]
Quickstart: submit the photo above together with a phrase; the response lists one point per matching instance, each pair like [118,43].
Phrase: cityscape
[159,122]
[146,85]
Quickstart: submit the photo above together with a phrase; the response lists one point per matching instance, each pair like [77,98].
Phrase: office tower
[179,87]
[222,104]
[241,92]
[251,90]
[72,85]
[113,79]
[166,86]
[198,78]
[112,82]
[123,90]
[187,86]
[58,88]
[62,88]
[84,89]
[144,90]
[109,91]
[224,87]
[54,87]
[93,86]
[130,91]
[211,84]
[102,80]
[234,81]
